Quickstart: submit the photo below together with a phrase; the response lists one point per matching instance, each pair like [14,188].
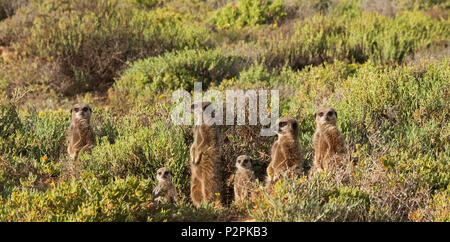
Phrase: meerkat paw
[198,157]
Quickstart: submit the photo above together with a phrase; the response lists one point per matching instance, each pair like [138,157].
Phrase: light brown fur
[286,154]
[80,134]
[244,179]
[205,162]
[328,142]
[4,51]
[165,191]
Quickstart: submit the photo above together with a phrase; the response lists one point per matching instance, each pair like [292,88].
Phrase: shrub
[311,199]
[9,7]
[43,134]
[248,13]
[172,71]
[141,153]
[91,41]
[357,37]
[81,200]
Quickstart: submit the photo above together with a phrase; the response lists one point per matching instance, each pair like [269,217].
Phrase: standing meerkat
[244,178]
[80,135]
[165,191]
[328,142]
[204,160]
[286,155]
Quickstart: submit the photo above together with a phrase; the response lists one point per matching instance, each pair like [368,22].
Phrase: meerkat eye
[166,173]
[282,124]
[294,125]
[85,109]
[330,113]
[76,110]
[320,114]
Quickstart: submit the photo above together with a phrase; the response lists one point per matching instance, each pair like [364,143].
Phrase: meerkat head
[287,126]
[244,162]
[164,174]
[81,111]
[326,115]
[201,107]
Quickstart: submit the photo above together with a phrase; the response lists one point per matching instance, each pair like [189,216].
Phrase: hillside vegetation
[383,65]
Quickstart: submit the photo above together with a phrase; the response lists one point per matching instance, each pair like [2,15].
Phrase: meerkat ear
[335,113]
[193,106]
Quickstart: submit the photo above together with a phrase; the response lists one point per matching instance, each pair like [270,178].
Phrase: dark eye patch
[85,109]
[320,114]
[330,113]
[76,110]
[166,173]
[282,124]
[294,125]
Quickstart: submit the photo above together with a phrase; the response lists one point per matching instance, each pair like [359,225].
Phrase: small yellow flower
[14,157]
[275,25]
[40,113]
[49,171]
[44,158]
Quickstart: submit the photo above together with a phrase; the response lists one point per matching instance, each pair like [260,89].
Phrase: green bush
[92,41]
[311,199]
[9,7]
[141,152]
[176,70]
[81,200]
[248,13]
[358,37]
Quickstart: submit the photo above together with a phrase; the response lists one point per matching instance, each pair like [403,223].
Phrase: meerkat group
[205,160]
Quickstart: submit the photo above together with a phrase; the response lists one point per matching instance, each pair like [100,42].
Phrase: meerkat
[4,52]
[165,191]
[286,157]
[244,178]
[327,140]
[80,134]
[204,161]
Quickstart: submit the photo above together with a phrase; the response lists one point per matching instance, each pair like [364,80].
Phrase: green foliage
[311,199]
[357,37]
[81,200]
[248,13]
[141,152]
[391,98]
[175,70]
[91,41]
